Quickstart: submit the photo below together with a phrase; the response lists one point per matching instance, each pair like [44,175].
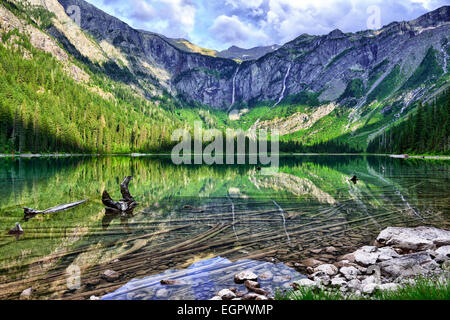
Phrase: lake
[189,214]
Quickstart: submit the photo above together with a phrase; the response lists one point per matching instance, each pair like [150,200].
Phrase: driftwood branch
[126,204]
[32,212]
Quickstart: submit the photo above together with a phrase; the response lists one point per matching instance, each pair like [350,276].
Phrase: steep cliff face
[352,69]
[324,65]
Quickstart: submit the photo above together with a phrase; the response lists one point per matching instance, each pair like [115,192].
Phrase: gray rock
[338,282]
[321,278]
[420,238]
[26,294]
[387,253]
[349,273]
[444,250]
[226,294]
[328,269]
[354,284]
[245,275]
[367,255]
[110,275]
[409,265]
[304,283]
[370,288]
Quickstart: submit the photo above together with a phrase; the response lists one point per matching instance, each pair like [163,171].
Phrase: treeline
[427,131]
[43,110]
[331,146]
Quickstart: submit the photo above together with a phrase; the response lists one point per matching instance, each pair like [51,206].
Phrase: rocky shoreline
[397,257]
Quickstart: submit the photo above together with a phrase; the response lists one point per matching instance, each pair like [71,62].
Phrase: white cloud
[231,30]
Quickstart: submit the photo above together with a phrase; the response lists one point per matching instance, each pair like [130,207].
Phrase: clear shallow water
[203,279]
[193,213]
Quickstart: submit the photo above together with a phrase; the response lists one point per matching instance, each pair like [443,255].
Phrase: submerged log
[126,204]
[29,213]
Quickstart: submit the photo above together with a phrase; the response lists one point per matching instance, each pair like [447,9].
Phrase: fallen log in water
[126,204]
[29,213]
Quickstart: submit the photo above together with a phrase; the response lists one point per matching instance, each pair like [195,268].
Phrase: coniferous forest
[427,131]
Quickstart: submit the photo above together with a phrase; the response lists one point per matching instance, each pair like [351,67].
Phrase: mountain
[255,53]
[342,87]
[324,65]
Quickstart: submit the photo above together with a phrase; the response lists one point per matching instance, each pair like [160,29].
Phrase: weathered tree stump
[126,204]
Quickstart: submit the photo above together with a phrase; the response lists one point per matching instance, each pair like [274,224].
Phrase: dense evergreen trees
[427,131]
[43,110]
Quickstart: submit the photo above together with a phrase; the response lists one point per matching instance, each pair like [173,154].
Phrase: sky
[218,25]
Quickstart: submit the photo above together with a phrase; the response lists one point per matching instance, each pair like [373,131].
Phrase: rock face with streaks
[324,66]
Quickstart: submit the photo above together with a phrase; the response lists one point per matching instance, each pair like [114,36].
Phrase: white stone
[94,298]
[305,283]
[349,273]
[387,253]
[338,282]
[26,294]
[216,298]
[420,238]
[354,284]
[370,288]
[409,265]
[366,257]
[328,269]
[389,286]
[226,294]
[245,275]
[444,250]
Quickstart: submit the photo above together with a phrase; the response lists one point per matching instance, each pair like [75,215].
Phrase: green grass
[422,289]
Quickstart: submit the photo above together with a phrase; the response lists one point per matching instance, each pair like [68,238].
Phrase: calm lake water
[189,214]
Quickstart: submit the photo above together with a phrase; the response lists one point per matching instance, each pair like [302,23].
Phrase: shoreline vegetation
[56,155]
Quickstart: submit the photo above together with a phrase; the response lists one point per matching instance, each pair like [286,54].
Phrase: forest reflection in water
[192,213]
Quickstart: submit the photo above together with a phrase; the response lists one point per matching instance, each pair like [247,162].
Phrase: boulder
[370,288]
[251,284]
[349,273]
[321,278]
[354,284]
[310,262]
[420,238]
[226,294]
[328,269]
[338,282]
[387,253]
[110,275]
[444,251]
[367,255]
[350,257]
[414,264]
[245,275]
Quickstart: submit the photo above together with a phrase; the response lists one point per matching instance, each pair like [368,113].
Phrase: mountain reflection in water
[193,213]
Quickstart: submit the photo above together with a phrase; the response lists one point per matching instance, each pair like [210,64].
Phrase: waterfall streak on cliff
[284,86]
